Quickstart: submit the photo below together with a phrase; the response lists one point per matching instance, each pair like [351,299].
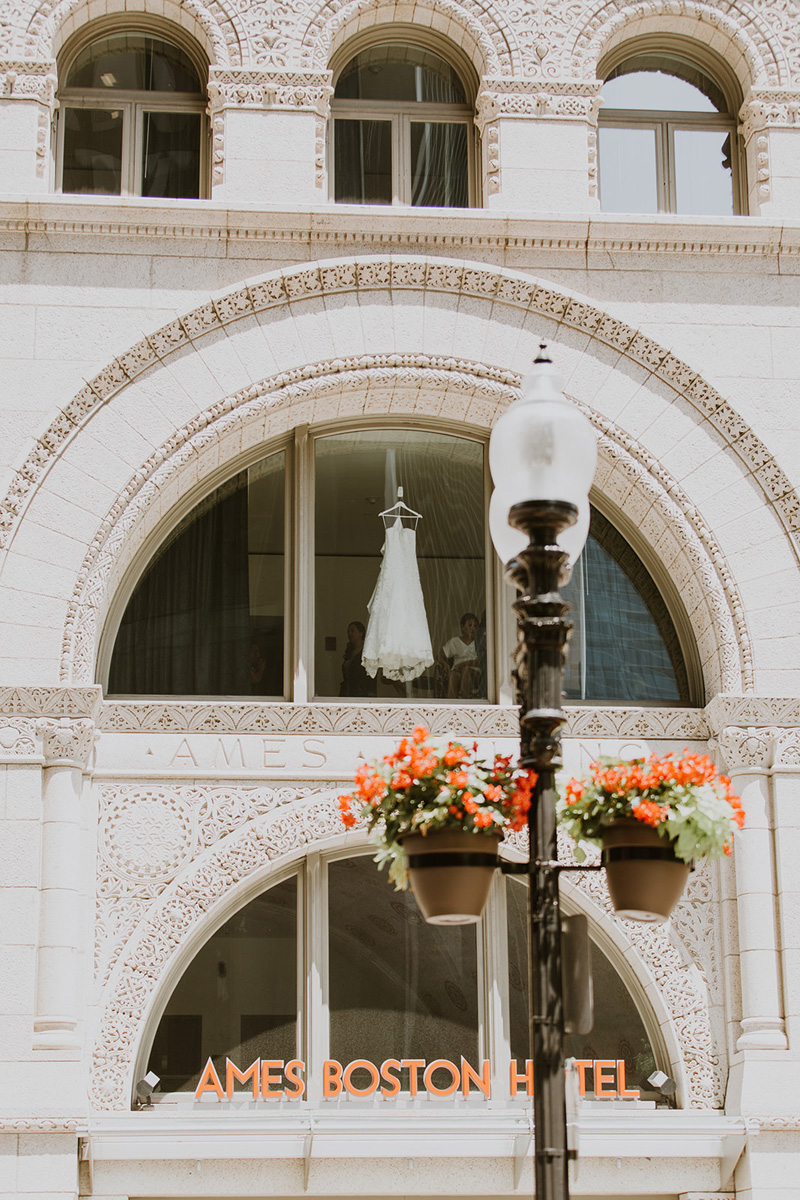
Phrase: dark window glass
[357,477]
[238,997]
[619,1032]
[398,988]
[624,647]
[133,62]
[363,161]
[92,151]
[401,73]
[171,154]
[207,617]
[439,164]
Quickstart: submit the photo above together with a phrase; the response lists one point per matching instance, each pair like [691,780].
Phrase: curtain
[186,630]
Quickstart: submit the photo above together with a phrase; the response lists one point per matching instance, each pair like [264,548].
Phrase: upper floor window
[667,140]
[385,600]
[131,119]
[402,130]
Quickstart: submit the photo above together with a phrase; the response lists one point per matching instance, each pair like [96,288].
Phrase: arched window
[131,118]
[402,130]
[667,138]
[376,984]
[208,615]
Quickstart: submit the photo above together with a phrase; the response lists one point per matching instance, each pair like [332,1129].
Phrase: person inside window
[355,680]
[459,658]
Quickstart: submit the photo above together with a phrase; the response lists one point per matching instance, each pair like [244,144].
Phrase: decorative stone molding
[67,743]
[187,716]
[231,864]
[746,750]
[766,108]
[552,99]
[298,90]
[365,275]
[18,740]
[757,711]
[42,1125]
[786,749]
[639,488]
[33,81]
[50,701]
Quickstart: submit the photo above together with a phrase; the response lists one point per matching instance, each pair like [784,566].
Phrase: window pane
[624,647]
[237,999]
[363,162]
[398,988]
[92,151]
[628,170]
[439,164]
[207,617]
[399,72]
[703,177]
[656,90]
[438,579]
[134,62]
[618,1033]
[171,154]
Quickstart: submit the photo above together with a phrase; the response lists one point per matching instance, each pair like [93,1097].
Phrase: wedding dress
[397,638]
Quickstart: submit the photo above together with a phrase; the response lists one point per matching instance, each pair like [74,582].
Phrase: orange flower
[493,793]
[458,779]
[469,803]
[401,780]
[420,734]
[727,848]
[454,755]
[483,820]
[650,813]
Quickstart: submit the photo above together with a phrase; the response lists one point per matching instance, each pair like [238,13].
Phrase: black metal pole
[542,636]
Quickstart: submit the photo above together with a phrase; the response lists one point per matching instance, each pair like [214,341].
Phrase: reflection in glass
[439,164]
[627,162]
[400,73]
[398,988]
[363,161]
[357,476]
[133,62]
[92,151]
[655,91]
[207,616]
[618,1033]
[703,176]
[237,998]
[171,154]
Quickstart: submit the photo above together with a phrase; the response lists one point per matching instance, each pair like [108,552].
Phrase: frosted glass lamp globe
[508,541]
[543,447]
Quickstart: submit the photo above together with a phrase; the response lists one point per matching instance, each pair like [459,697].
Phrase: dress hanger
[400,510]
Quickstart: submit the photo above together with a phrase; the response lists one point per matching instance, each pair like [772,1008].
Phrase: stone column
[67,746]
[539,145]
[771,134]
[27,105]
[278,158]
[748,755]
[786,794]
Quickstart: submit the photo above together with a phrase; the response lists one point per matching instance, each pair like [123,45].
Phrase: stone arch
[515,307]
[222,877]
[214,25]
[488,43]
[631,482]
[749,46]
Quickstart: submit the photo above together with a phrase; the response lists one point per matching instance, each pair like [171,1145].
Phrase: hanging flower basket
[438,816]
[653,818]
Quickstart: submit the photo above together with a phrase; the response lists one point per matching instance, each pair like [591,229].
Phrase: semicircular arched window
[132,119]
[378,985]
[402,130]
[667,139]
[208,616]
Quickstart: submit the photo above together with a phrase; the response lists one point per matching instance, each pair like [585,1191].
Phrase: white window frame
[402,116]
[664,125]
[133,106]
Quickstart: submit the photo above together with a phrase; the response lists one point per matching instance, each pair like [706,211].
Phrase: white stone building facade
[155,348]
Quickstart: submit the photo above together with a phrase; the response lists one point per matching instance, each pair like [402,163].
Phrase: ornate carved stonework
[267,89]
[18,739]
[50,701]
[766,108]
[746,750]
[205,842]
[552,99]
[67,743]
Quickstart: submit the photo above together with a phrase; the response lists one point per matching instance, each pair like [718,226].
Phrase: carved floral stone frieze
[29,80]
[298,90]
[66,742]
[551,99]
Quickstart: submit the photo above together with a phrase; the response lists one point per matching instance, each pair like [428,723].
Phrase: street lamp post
[543,454]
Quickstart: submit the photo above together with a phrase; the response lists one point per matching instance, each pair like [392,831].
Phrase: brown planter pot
[645,879]
[451,873]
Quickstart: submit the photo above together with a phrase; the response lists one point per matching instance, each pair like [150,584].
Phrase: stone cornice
[74,702]
[298,90]
[739,238]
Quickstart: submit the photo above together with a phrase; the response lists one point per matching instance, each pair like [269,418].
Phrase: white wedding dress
[397,638]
